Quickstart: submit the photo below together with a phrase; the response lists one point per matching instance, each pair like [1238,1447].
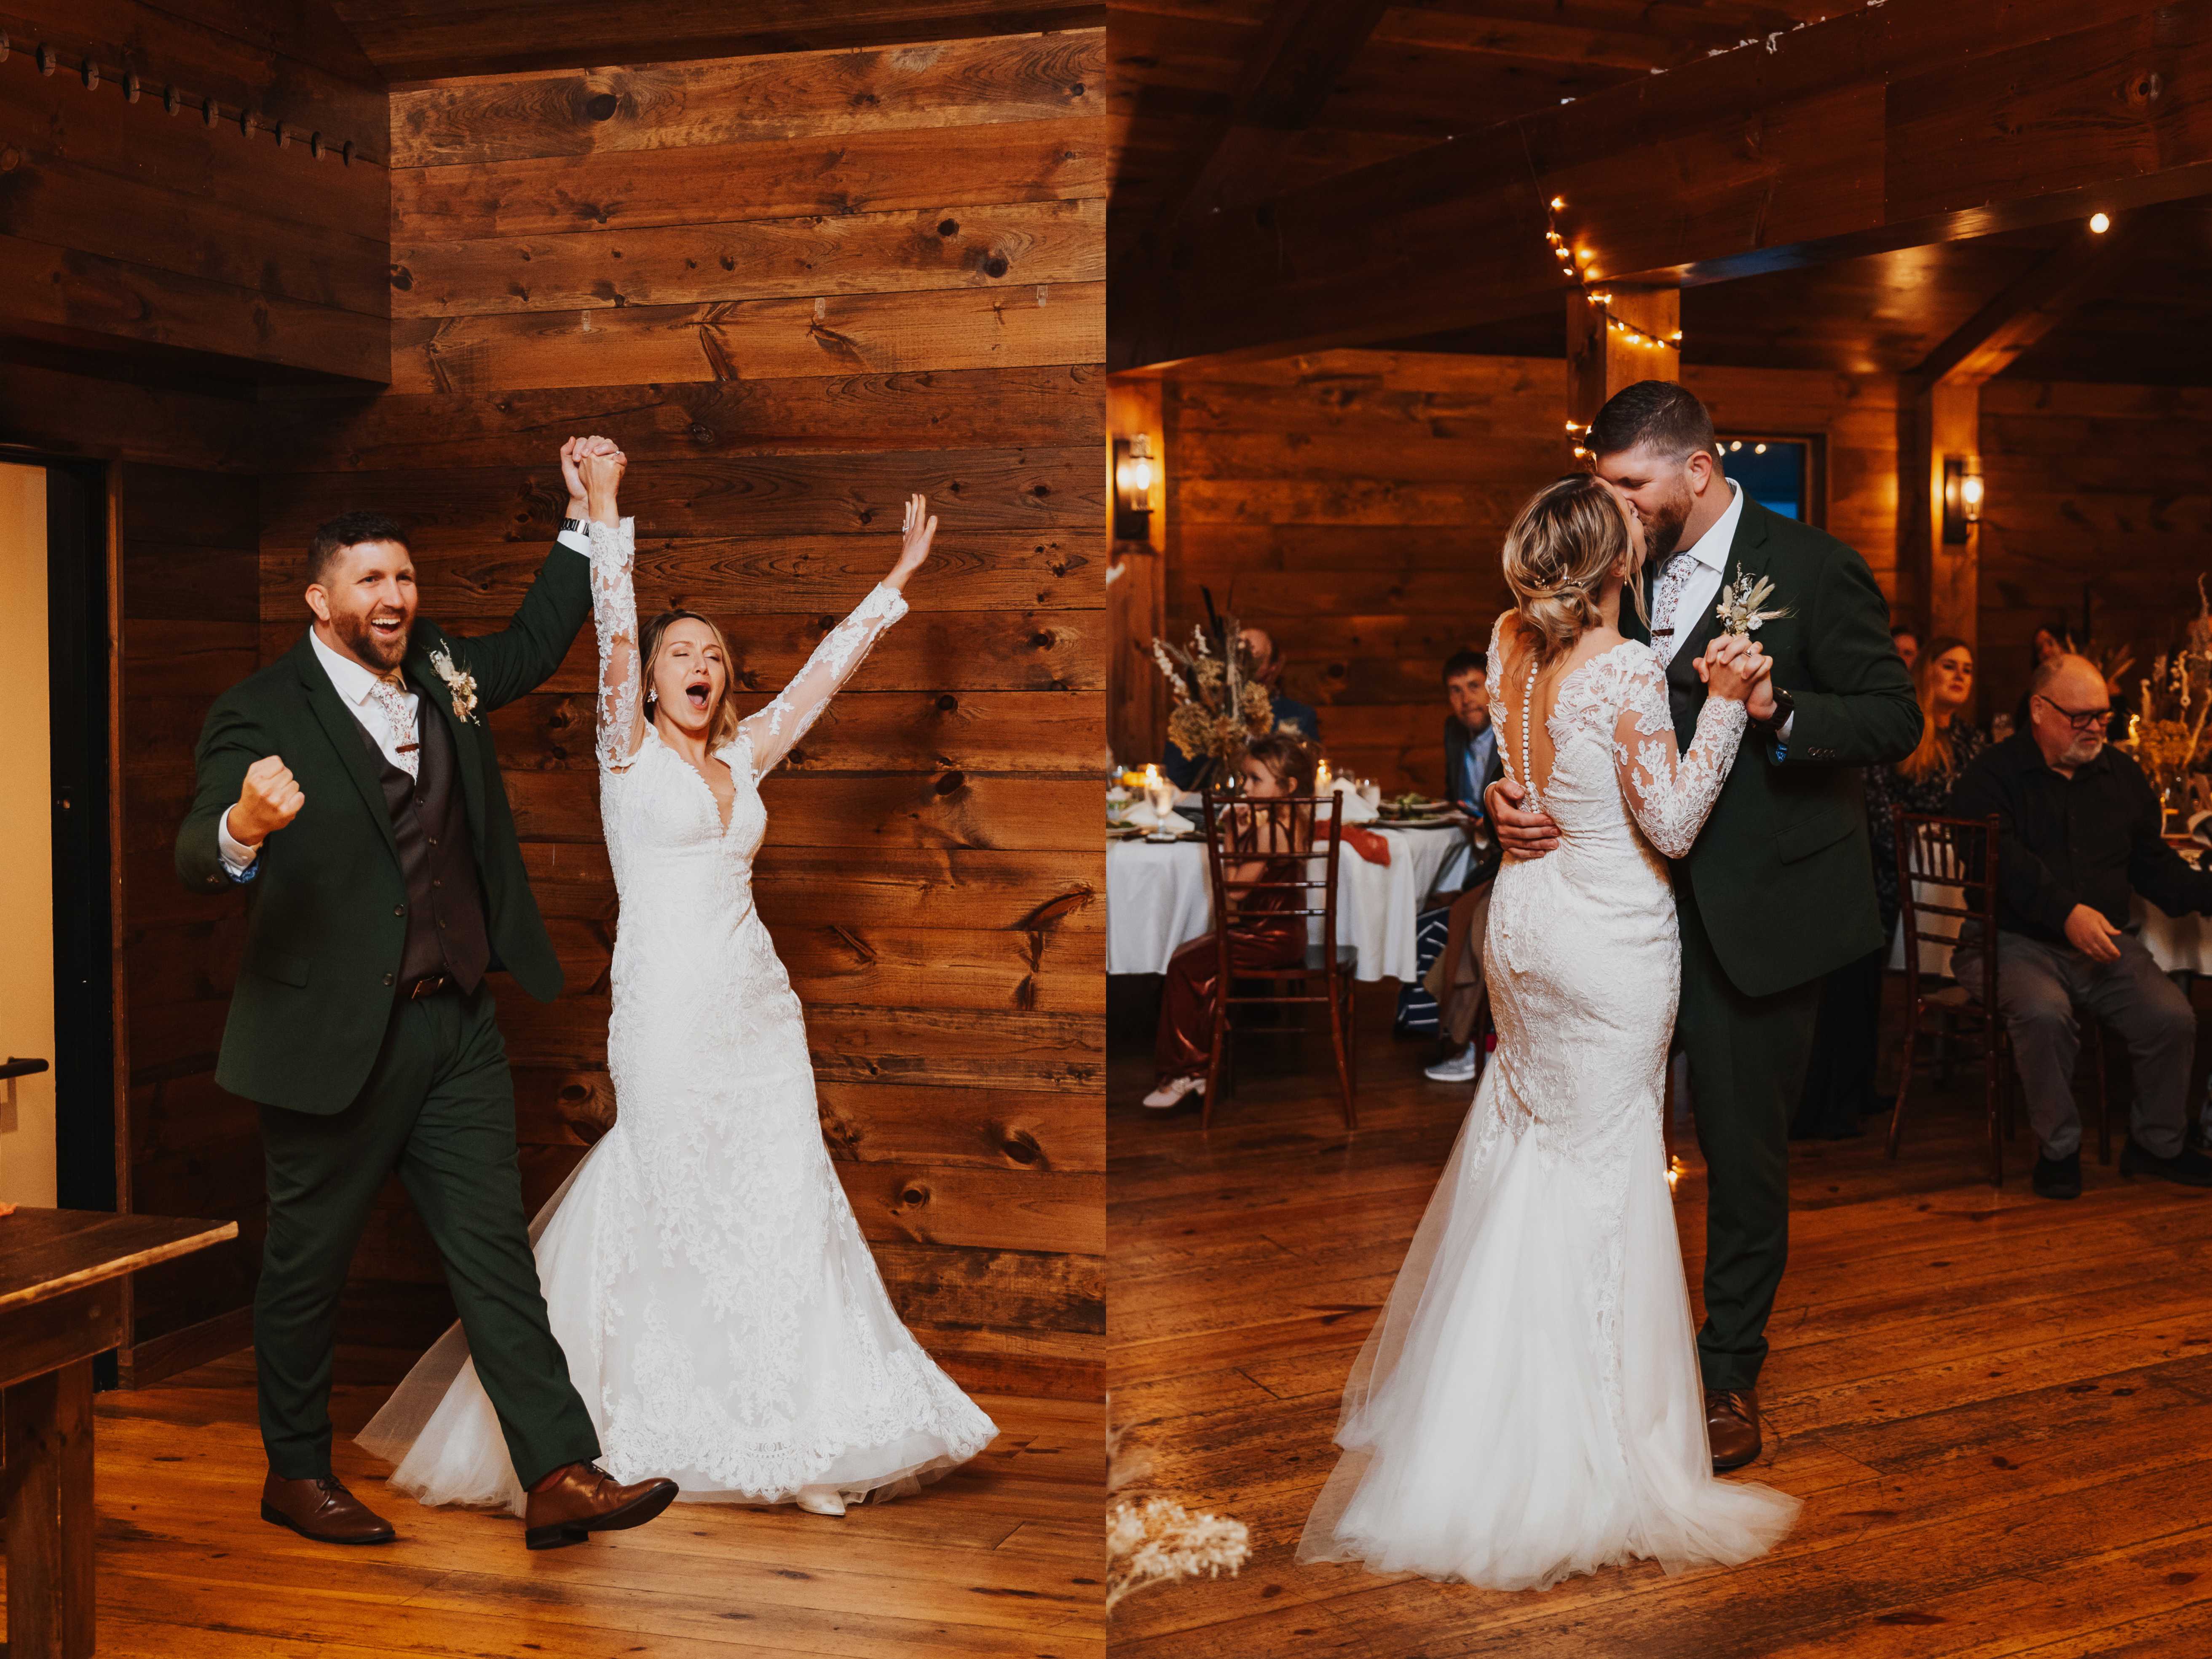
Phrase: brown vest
[445,929]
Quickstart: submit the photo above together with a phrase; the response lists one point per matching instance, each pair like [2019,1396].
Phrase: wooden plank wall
[1353,502]
[190,600]
[200,228]
[155,265]
[2095,496]
[794,288]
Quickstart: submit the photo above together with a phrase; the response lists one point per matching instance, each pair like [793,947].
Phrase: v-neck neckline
[705,782]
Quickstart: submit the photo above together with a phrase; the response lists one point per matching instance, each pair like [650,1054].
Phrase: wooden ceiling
[2142,323]
[425,40]
[1224,103]
[1355,81]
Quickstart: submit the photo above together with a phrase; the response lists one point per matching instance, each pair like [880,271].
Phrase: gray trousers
[2040,988]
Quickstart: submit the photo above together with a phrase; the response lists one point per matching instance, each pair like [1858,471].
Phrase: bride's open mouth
[697,693]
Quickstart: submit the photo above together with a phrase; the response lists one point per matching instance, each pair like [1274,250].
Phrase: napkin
[1354,807]
[1369,844]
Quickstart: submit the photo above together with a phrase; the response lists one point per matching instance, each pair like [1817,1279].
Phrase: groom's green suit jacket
[326,916]
[1783,874]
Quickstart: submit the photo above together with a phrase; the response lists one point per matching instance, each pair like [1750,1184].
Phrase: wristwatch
[1785,707]
[576,524]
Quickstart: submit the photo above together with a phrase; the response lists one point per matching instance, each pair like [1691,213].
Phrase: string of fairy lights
[1574,264]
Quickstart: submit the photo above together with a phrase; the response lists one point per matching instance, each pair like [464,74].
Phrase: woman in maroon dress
[1276,765]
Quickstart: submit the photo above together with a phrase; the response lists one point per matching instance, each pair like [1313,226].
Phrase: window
[1780,474]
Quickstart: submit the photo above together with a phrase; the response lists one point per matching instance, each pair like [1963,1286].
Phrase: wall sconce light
[1135,472]
[1962,496]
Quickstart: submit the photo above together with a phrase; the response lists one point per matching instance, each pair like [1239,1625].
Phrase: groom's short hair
[350,530]
[1659,413]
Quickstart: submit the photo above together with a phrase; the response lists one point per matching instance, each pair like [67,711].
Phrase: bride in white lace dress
[723,1319]
[1528,1406]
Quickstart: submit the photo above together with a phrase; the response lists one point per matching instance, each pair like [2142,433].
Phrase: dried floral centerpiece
[2166,732]
[1220,706]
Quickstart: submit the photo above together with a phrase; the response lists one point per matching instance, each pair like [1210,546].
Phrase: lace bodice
[1617,702]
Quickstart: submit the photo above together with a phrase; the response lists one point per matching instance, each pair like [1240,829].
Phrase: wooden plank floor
[1997,1409]
[1002,1559]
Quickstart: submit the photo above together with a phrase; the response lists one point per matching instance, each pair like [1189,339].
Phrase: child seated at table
[1275,766]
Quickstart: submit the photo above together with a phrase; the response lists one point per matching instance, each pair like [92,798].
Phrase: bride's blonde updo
[1570,537]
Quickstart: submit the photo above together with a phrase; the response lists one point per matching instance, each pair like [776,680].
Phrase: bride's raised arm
[772,731]
[1670,793]
[614,612]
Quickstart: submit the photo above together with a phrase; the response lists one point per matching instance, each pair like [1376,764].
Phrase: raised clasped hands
[601,470]
[917,532]
[575,454]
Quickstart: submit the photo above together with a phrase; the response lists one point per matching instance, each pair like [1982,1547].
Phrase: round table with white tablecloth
[1158,896]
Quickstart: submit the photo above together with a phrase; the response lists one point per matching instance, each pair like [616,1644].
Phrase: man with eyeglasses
[2078,834]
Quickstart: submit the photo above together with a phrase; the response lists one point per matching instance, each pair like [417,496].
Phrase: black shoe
[2190,1167]
[2059,1177]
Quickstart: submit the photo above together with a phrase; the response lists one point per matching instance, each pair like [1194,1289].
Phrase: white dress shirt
[354,683]
[1709,569]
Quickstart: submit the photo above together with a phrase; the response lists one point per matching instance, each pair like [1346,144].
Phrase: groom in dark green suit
[351,786]
[1779,890]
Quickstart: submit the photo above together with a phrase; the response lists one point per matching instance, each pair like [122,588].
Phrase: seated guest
[1839,1082]
[1906,639]
[1278,764]
[1472,764]
[1923,780]
[1265,665]
[2078,833]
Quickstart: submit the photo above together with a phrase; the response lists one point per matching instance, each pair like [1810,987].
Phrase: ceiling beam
[429,41]
[2030,307]
[1914,122]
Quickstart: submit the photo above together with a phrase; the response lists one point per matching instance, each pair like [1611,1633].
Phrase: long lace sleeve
[1670,793]
[772,731]
[614,615]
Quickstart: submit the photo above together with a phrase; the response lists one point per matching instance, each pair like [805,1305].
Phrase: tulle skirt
[817,1383]
[1529,1405]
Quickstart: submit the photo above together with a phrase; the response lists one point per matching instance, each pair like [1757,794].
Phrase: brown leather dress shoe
[586,1499]
[1732,1426]
[322,1510]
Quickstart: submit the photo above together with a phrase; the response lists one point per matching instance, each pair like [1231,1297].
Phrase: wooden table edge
[145,1258]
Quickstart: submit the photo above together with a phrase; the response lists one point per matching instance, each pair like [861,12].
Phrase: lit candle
[1159,791]
[1322,783]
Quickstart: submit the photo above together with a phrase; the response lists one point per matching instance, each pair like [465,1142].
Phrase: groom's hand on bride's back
[1522,835]
[269,800]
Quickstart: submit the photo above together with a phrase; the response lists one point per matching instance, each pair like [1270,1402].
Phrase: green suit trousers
[1748,1060]
[438,1109]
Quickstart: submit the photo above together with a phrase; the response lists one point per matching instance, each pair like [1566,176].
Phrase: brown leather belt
[428,986]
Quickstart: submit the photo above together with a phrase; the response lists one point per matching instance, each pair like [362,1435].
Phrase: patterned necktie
[1667,597]
[400,719]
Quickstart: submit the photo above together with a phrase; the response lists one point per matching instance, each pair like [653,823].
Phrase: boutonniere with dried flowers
[1739,607]
[458,681]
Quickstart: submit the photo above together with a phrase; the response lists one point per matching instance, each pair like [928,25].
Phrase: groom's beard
[1662,531]
[381,651]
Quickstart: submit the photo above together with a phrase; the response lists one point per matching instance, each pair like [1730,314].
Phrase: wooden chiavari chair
[1947,883]
[1235,831]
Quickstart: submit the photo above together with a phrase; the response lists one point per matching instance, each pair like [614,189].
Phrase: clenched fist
[267,801]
